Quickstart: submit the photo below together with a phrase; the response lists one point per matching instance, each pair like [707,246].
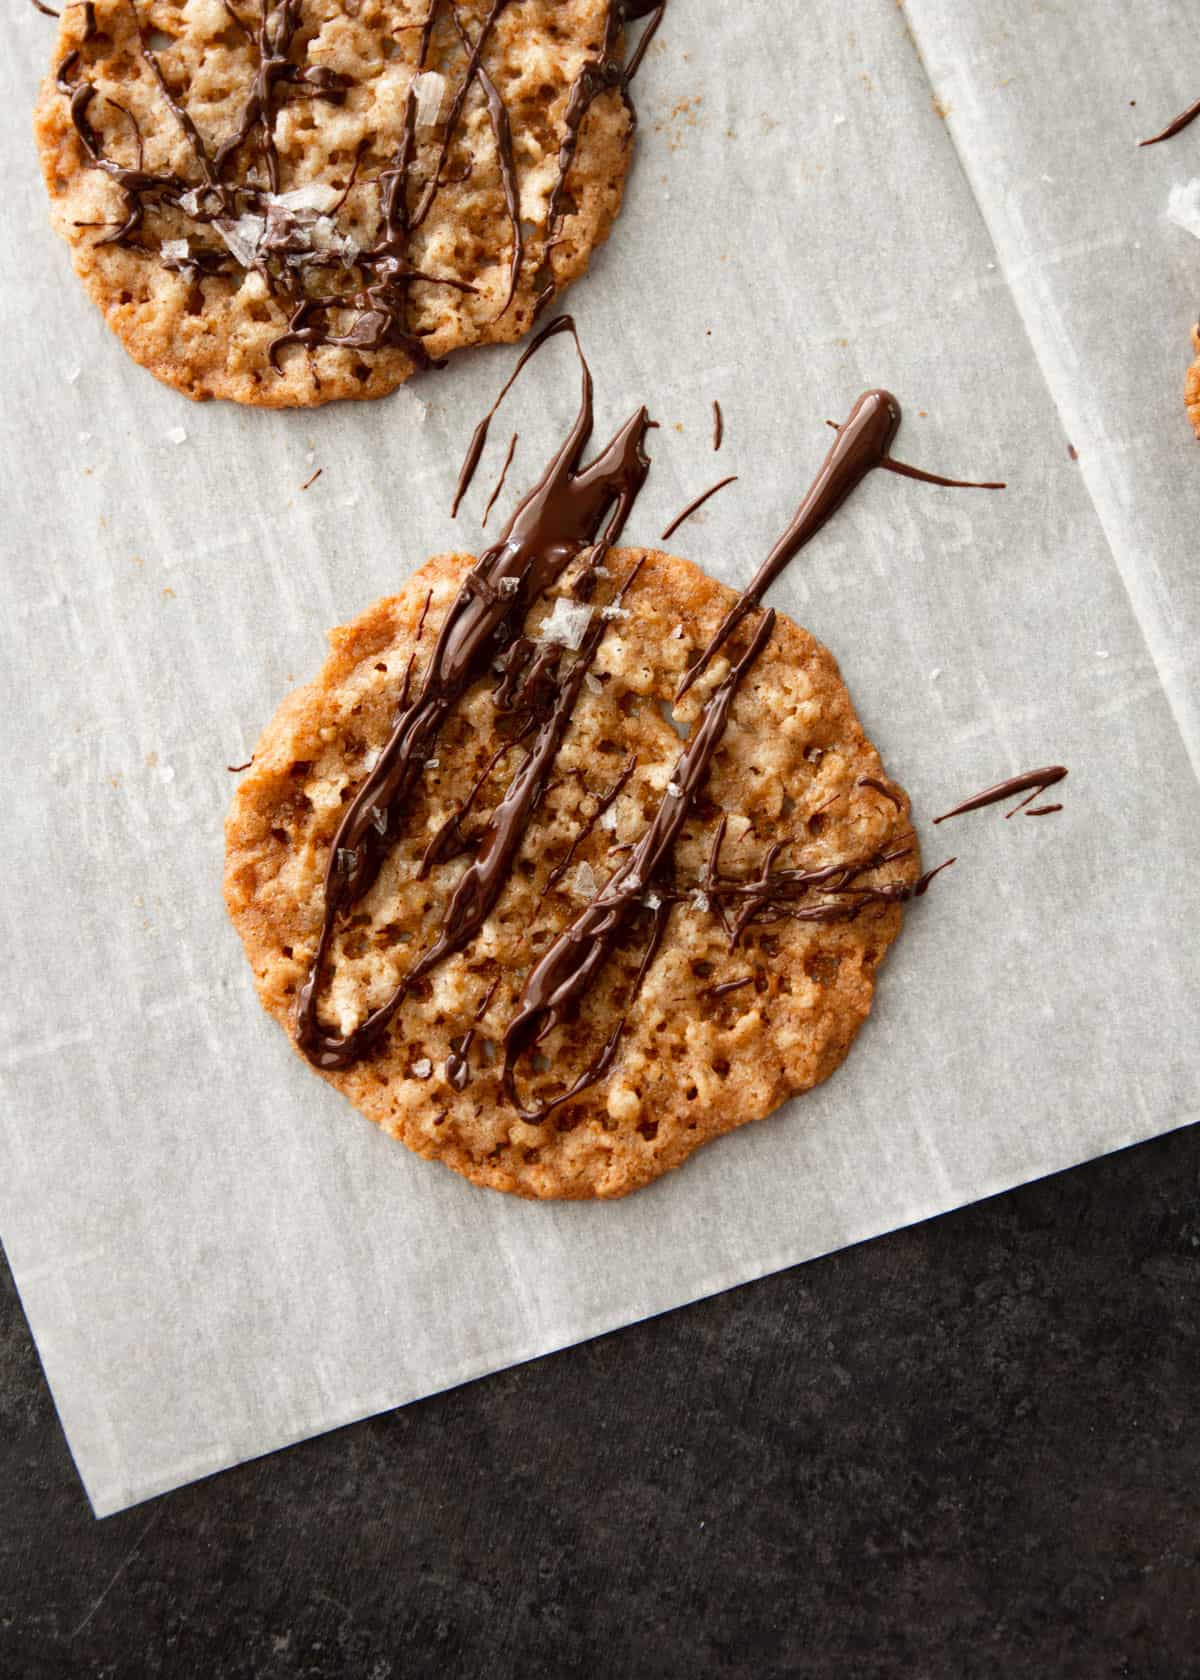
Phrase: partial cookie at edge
[209,336]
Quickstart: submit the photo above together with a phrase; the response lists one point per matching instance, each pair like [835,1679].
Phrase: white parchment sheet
[216,1254]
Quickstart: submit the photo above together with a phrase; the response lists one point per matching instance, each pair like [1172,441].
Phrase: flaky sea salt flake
[176,434]
[316,195]
[174,250]
[567,624]
[429,89]
[243,237]
[509,586]
[422,1068]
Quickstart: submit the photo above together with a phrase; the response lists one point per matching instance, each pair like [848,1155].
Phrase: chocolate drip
[861,445]
[718,425]
[499,484]
[1038,780]
[570,508]
[880,787]
[1176,126]
[699,502]
[479,437]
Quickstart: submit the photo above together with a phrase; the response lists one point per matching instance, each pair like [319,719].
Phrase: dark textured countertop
[970,1449]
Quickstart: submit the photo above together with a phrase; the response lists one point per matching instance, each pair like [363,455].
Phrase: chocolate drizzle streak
[1038,780]
[861,445]
[1176,126]
[718,425]
[597,76]
[699,502]
[574,508]
[233,226]
[499,484]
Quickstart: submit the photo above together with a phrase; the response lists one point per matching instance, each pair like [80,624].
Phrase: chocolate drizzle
[1037,780]
[718,425]
[692,506]
[1175,126]
[597,76]
[571,508]
[499,484]
[861,445]
[235,226]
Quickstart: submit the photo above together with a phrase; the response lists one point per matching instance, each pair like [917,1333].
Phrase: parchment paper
[216,1254]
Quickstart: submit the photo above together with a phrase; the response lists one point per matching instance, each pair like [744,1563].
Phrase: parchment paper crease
[217,1256]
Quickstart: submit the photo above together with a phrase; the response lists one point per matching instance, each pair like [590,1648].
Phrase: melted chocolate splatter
[718,425]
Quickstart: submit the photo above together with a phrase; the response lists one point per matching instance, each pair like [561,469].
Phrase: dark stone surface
[967,1450]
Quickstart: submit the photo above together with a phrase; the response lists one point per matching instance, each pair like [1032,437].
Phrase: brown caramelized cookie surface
[204,249]
[696,1059]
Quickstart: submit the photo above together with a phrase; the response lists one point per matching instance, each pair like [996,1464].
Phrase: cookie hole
[822,967]
[648,1129]
[257,310]
[568,1119]
[668,715]
[300,768]
[702,970]
[281,835]
[159,41]
[818,823]
[788,805]
[380,666]
[287,950]
[720,1067]
[362,372]
[691,1093]
[194,303]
